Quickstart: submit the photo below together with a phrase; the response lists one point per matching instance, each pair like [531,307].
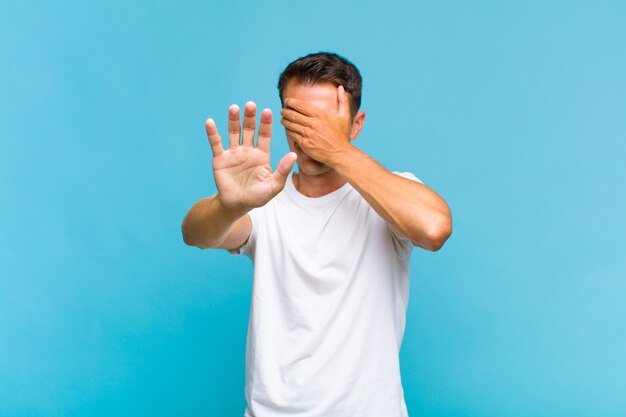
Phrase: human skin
[319,128]
[320,131]
[244,180]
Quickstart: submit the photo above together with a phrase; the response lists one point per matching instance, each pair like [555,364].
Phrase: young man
[330,246]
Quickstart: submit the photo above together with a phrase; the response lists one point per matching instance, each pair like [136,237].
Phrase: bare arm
[244,180]
[413,210]
[209,224]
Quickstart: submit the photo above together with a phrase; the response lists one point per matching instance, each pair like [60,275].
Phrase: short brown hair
[324,67]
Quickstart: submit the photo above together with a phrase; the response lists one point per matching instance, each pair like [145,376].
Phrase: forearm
[208,224]
[411,208]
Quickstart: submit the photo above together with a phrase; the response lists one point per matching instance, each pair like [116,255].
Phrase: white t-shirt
[329,299]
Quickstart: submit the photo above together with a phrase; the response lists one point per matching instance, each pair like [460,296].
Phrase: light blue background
[515,112]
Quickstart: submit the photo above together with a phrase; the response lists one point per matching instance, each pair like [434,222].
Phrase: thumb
[342,98]
[279,177]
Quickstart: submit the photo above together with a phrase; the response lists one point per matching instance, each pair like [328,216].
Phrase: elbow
[184,228]
[190,240]
[438,234]
[187,237]
[187,240]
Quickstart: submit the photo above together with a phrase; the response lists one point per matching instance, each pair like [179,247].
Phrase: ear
[357,125]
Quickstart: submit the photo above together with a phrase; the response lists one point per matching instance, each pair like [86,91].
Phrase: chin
[312,167]
[309,166]
[308,170]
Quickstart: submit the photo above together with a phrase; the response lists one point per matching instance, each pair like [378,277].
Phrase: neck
[317,185]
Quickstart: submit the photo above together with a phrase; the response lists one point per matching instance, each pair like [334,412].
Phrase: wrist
[229,210]
[345,161]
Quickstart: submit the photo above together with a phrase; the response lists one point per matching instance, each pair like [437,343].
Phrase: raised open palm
[243,174]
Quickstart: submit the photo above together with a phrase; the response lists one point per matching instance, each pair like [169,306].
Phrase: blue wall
[515,112]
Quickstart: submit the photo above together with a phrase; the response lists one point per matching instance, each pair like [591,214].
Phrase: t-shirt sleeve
[409,175]
[402,240]
[248,247]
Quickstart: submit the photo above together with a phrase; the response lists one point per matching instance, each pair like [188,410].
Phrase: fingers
[343,99]
[265,131]
[279,177]
[235,135]
[234,129]
[296,117]
[295,136]
[301,107]
[214,137]
[294,127]
[249,124]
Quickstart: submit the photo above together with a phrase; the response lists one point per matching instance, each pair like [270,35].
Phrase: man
[330,246]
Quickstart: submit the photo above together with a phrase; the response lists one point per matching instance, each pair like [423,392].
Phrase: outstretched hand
[243,174]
